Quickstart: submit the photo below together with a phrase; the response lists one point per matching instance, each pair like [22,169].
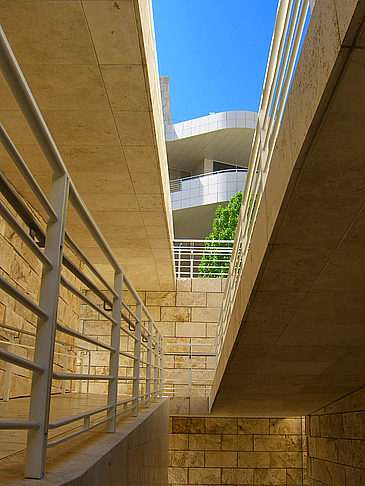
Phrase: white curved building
[207,158]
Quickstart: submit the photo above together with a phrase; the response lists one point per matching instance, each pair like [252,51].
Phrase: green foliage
[224,228]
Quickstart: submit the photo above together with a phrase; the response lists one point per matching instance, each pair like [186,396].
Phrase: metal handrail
[198,176]
[288,34]
[190,253]
[63,191]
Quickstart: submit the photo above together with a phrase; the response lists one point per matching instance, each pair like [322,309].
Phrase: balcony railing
[194,364]
[202,258]
[209,188]
[132,334]
[285,47]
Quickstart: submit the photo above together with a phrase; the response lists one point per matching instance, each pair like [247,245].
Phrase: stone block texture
[336,443]
[236,451]
[187,319]
[20,267]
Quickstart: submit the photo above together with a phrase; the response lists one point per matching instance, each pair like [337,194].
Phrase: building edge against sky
[301,340]
[208,159]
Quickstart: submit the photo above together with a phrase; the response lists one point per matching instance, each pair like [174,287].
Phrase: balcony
[211,188]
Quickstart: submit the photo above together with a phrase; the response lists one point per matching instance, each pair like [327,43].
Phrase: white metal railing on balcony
[195,365]
[134,323]
[208,188]
[285,46]
[202,258]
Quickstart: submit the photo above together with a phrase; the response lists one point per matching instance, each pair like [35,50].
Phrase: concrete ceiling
[231,145]
[301,343]
[92,68]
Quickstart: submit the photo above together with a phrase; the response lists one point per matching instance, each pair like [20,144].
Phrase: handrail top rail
[241,169]
[185,240]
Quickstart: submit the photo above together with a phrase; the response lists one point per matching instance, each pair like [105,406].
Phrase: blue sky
[215,53]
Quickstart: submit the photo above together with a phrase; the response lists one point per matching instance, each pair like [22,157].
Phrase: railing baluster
[114,355]
[8,371]
[161,352]
[46,332]
[149,361]
[137,360]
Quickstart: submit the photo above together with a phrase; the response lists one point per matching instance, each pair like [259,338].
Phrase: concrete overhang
[296,339]
[225,137]
[92,68]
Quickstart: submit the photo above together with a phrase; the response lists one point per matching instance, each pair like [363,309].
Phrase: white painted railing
[201,258]
[288,34]
[195,362]
[208,188]
[132,322]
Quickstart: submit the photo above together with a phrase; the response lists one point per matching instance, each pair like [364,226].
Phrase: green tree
[215,264]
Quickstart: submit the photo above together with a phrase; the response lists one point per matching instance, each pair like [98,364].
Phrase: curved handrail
[243,169]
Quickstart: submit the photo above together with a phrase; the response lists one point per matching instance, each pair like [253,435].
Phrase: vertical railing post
[179,262]
[88,370]
[114,355]
[156,368]
[161,352]
[65,366]
[137,356]
[81,359]
[149,362]
[8,370]
[46,332]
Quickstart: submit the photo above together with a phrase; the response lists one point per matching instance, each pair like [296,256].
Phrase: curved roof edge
[210,123]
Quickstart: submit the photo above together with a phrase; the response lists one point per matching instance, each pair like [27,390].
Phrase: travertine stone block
[211,329]
[204,475]
[253,426]
[188,425]
[188,458]
[191,329]
[214,299]
[167,329]
[221,458]
[201,314]
[253,459]
[155,313]
[226,425]
[294,476]
[192,299]
[2,313]
[285,459]
[270,477]
[183,284]
[178,475]
[353,425]
[204,442]
[285,426]
[237,476]
[178,314]
[160,298]
[206,285]
[245,442]
[179,442]
[277,443]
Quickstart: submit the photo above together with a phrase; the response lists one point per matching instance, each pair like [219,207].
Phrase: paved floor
[62,406]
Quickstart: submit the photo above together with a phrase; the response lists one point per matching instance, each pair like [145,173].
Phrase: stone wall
[187,319]
[21,268]
[336,443]
[236,451]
